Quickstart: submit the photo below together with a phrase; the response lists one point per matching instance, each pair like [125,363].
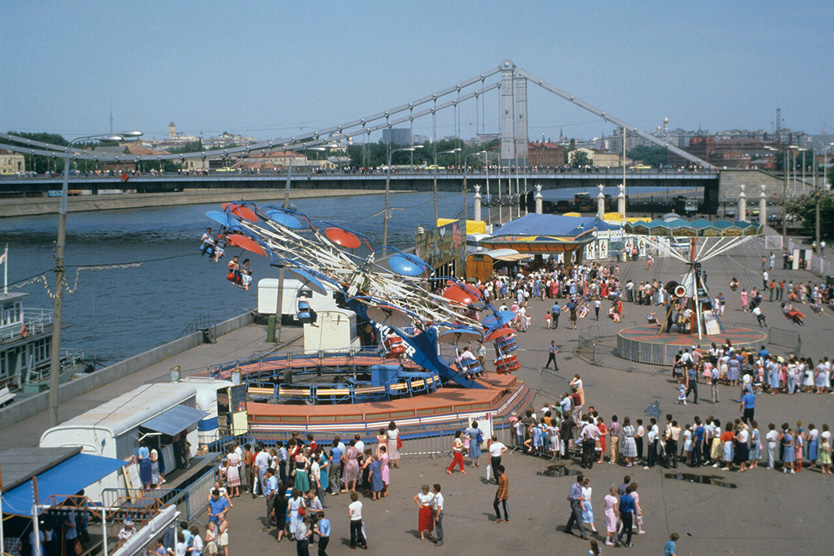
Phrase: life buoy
[23,331]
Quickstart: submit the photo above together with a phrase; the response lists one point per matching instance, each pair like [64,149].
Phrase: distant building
[546,154]
[397,136]
[601,159]
[11,162]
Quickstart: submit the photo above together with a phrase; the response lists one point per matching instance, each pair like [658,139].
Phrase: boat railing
[70,357]
[35,321]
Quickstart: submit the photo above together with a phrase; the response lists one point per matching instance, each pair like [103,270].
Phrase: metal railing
[791,340]
[34,321]
[191,500]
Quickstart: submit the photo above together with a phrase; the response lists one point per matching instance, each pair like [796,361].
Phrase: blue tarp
[64,479]
[175,420]
[553,225]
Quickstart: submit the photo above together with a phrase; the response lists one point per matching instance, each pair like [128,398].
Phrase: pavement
[765,512]
[756,512]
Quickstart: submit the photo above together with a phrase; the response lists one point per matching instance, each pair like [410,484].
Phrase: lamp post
[388,190]
[452,151]
[465,207]
[489,199]
[819,246]
[58,293]
[279,302]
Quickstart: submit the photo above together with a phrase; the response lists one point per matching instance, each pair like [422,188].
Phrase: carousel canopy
[547,233]
[553,225]
[679,227]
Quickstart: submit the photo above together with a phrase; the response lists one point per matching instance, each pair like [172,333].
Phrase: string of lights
[41,278]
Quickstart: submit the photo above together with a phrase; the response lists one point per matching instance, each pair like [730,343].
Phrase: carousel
[421,370]
[691,319]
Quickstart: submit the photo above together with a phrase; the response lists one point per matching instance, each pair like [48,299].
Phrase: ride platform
[643,344]
[444,409]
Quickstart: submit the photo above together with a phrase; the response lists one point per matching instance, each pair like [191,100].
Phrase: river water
[121,311]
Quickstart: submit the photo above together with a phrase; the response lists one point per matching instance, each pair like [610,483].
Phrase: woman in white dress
[393,434]
[587,508]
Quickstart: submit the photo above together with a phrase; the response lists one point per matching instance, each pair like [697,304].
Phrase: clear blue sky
[272,69]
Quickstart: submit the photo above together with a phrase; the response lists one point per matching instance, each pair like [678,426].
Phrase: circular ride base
[323,396]
[643,344]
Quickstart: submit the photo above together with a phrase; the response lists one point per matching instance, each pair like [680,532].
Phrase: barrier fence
[191,500]
[791,340]
[429,441]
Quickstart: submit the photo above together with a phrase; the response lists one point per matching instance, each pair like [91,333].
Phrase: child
[669,549]
[547,318]
[681,394]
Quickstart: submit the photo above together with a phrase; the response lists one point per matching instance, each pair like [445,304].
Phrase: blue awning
[64,479]
[175,420]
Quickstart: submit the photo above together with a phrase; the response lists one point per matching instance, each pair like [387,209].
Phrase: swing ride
[417,369]
[690,318]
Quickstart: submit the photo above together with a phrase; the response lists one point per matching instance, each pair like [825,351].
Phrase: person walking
[501,495]
[692,381]
[611,515]
[552,351]
[554,312]
[322,529]
[627,512]
[355,514]
[575,500]
[457,454]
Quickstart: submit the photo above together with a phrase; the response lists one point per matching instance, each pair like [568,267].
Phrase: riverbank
[49,205]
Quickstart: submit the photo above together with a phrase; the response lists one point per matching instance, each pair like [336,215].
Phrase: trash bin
[270,329]
[829,280]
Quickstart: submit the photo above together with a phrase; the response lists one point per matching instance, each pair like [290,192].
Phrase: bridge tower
[521,143]
[507,112]
[513,116]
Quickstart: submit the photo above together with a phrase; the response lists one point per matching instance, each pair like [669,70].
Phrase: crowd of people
[296,477]
[566,430]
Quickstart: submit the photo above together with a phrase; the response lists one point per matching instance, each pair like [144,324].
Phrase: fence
[191,500]
[428,441]
[788,339]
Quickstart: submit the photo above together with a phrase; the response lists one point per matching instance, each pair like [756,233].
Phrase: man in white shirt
[589,436]
[262,464]
[437,506]
[359,444]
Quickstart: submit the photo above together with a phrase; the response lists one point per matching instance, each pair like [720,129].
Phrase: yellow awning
[472,226]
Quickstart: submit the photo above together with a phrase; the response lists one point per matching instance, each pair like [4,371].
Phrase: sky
[277,69]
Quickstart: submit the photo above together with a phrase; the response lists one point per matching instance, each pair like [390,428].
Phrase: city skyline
[253,68]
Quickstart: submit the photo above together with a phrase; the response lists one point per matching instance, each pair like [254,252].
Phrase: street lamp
[279,303]
[452,151]
[489,199]
[465,207]
[388,189]
[58,294]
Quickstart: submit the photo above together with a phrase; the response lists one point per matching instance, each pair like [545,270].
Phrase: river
[120,311]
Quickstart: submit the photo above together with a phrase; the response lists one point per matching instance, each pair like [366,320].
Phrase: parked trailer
[151,413]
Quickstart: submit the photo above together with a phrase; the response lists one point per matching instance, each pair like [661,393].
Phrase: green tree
[804,208]
[41,163]
[192,147]
[580,158]
[652,156]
